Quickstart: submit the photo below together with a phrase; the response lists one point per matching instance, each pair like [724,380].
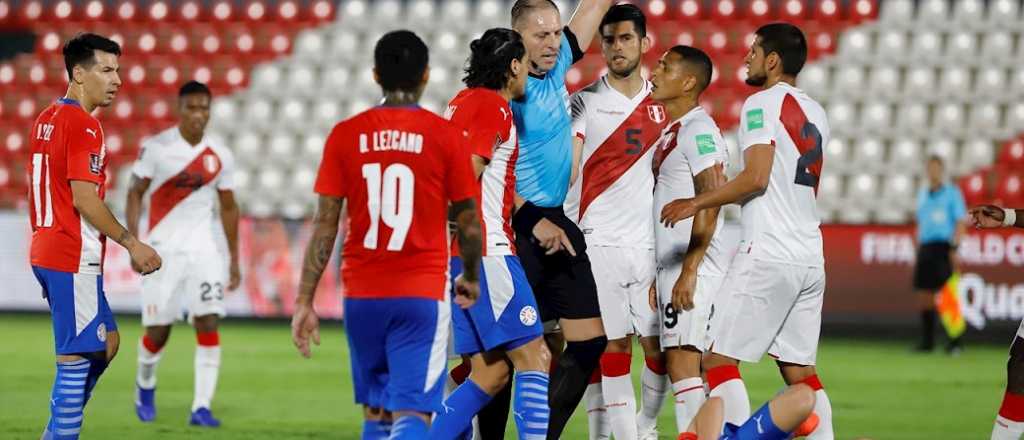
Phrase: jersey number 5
[808,141]
[389,197]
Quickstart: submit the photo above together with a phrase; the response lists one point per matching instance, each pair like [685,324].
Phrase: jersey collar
[69,101]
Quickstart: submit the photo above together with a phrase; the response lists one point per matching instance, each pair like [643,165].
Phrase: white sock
[823,408]
[207,368]
[689,396]
[146,375]
[620,403]
[653,388]
[734,396]
[1006,429]
[597,417]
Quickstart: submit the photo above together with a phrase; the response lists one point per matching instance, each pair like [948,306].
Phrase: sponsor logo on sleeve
[755,119]
[705,144]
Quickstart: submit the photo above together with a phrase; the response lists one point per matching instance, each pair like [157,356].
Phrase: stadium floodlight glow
[94,9]
[62,9]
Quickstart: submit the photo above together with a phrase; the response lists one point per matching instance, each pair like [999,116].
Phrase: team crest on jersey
[211,163]
[101,332]
[528,315]
[656,112]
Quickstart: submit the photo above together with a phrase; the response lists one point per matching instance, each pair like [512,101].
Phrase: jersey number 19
[389,198]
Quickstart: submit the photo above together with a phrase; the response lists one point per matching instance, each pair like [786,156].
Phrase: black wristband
[527,216]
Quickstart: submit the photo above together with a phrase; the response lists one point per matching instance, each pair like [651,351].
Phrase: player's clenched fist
[145,260]
[683,290]
[466,292]
[305,327]
[678,210]
[988,216]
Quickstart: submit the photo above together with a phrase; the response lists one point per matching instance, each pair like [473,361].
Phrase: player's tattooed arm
[88,203]
[321,244]
[133,205]
[463,213]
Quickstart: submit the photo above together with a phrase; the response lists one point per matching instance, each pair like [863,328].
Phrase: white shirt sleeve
[145,164]
[226,179]
[578,111]
[702,146]
[757,123]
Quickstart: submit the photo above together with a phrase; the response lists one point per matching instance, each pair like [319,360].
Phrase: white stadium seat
[969,13]
[301,78]
[876,117]
[814,79]
[841,116]
[310,45]
[868,153]
[1003,14]
[313,148]
[862,187]
[855,45]
[492,13]
[353,13]
[990,82]
[883,81]
[837,156]
[912,119]
[997,48]
[977,153]
[281,148]
[905,154]
[344,45]
[1015,117]
[919,84]
[830,186]
[849,81]
[954,82]
[926,47]
[1016,86]
[248,147]
[258,110]
[948,119]
[961,46]
[983,120]
[897,187]
[336,81]
[942,147]
[933,12]
[892,46]
[896,12]
[455,15]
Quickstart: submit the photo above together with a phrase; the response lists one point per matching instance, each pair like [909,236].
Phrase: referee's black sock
[927,329]
[569,380]
[493,417]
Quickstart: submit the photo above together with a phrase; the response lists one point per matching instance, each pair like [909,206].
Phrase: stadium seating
[899,83]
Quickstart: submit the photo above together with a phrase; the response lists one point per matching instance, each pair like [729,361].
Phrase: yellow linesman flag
[947,303]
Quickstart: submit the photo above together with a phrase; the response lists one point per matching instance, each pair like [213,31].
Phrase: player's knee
[158,335]
[794,374]
[714,360]
[618,345]
[206,323]
[800,398]
[683,362]
[532,356]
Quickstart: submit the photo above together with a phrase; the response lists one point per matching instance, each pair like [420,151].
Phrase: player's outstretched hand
[234,276]
[683,291]
[144,258]
[552,237]
[305,326]
[988,216]
[678,210]
[652,297]
[466,292]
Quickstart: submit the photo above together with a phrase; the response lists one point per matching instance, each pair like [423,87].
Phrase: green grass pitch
[267,391]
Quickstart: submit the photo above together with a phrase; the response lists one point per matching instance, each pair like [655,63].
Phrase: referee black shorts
[933,267]
[563,285]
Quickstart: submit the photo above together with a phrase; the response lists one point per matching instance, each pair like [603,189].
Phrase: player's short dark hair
[400,58]
[698,59]
[80,50]
[522,7]
[625,12]
[786,40]
[490,57]
[194,88]
[936,158]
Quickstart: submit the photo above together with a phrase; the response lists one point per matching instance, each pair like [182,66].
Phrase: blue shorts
[81,315]
[505,316]
[398,348]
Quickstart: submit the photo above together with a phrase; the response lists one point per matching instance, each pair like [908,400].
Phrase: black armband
[527,216]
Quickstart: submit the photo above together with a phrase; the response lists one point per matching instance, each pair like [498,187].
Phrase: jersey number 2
[808,141]
[389,198]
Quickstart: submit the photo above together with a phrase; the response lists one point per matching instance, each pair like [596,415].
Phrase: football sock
[689,396]
[653,385]
[619,397]
[823,409]
[97,365]
[376,430]
[67,400]
[725,382]
[597,417]
[760,426]
[149,358]
[409,428]
[207,364]
[493,417]
[569,380]
[531,404]
[459,409]
[1010,421]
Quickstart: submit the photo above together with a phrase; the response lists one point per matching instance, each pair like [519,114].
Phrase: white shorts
[768,307]
[680,328]
[624,277]
[192,283]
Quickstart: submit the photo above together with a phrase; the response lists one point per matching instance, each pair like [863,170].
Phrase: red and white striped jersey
[182,196]
[782,224]
[612,197]
[486,120]
[690,145]
[66,144]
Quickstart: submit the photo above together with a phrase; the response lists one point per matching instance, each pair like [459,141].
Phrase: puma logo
[447,409]
[757,419]
[91,131]
[519,415]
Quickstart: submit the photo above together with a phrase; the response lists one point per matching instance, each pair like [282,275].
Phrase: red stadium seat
[92,11]
[759,11]
[158,11]
[862,10]
[974,188]
[828,12]
[657,11]
[188,11]
[7,15]
[724,11]
[255,11]
[126,11]
[821,40]
[1012,154]
[222,11]
[30,12]
[59,11]
[1010,189]
[794,11]
[287,11]
[320,11]
[48,40]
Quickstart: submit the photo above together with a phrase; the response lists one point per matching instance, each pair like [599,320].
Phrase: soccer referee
[941,215]
[550,246]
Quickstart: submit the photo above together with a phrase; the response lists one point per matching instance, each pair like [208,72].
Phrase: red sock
[718,375]
[656,365]
[813,382]
[151,345]
[1012,407]
[208,339]
[615,364]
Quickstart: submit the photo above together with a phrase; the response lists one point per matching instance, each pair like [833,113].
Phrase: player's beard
[628,70]
[756,80]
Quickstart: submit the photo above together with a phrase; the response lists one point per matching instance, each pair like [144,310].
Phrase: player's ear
[376,76]
[426,76]
[771,60]
[77,73]
[645,44]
